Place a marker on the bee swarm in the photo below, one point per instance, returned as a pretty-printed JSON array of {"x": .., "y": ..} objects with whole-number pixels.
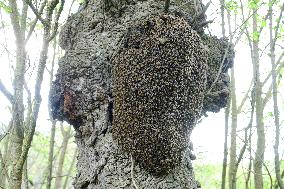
[{"x": 159, "y": 84}]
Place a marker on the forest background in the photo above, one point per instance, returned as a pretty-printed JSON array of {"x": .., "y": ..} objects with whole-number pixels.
[{"x": 232, "y": 146}]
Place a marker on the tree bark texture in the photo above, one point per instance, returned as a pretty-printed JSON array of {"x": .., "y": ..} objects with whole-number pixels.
[
  {"x": 17, "y": 106},
  {"x": 82, "y": 93}
]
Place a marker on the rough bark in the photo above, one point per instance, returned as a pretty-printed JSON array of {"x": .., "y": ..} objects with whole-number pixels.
[
  {"x": 17, "y": 105},
  {"x": 25, "y": 176},
  {"x": 82, "y": 93}
]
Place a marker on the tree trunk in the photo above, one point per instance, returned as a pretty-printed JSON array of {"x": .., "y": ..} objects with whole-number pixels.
[
  {"x": 66, "y": 137},
  {"x": 227, "y": 110},
  {"x": 50, "y": 155},
  {"x": 53, "y": 123},
  {"x": 70, "y": 170},
  {"x": 82, "y": 93},
  {"x": 20, "y": 141},
  {"x": 17, "y": 106},
  {"x": 234, "y": 123},
  {"x": 259, "y": 154},
  {"x": 273, "y": 40},
  {"x": 233, "y": 147}
]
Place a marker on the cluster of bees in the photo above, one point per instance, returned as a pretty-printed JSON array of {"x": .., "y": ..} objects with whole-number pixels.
[
  {"x": 159, "y": 84},
  {"x": 220, "y": 59}
]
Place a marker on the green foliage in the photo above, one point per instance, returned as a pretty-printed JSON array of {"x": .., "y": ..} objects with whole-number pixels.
[
  {"x": 5, "y": 7},
  {"x": 39, "y": 152},
  {"x": 253, "y": 4},
  {"x": 41, "y": 145},
  {"x": 270, "y": 114},
  {"x": 231, "y": 5},
  {"x": 263, "y": 23},
  {"x": 209, "y": 176},
  {"x": 255, "y": 36},
  {"x": 281, "y": 32}
]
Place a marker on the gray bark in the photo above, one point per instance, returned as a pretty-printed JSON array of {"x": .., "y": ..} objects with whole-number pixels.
[
  {"x": 273, "y": 40},
  {"x": 259, "y": 154},
  {"x": 50, "y": 155},
  {"x": 82, "y": 92},
  {"x": 53, "y": 123},
  {"x": 17, "y": 105},
  {"x": 234, "y": 123}
]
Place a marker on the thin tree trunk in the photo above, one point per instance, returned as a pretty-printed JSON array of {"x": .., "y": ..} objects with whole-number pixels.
[
  {"x": 275, "y": 93},
  {"x": 70, "y": 170},
  {"x": 227, "y": 110},
  {"x": 66, "y": 137},
  {"x": 20, "y": 144},
  {"x": 259, "y": 154},
  {"x": 247, "y": 181},
  {"x": 53, "y": 123},
  {"x": 17, "y": 106},
  {"x": 234, "y": 114},
  {"x": 48, "y": 35},
  {"x": 233, "y": 148},
  {"x": 50, "y": 155},
  {"x": 225, "y": 158}
]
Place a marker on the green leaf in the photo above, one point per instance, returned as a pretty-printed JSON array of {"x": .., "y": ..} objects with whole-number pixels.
[
  {"x": 263, "y": 23},
  {"x": 231, "y": 5},
  {"x": 253, "y": 4},
  {"x": 5, "y": 7},
  {"x": 255, "y": 36}
]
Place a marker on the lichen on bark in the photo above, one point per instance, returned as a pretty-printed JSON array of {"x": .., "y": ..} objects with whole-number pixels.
[{"x": 83, "y": 95}]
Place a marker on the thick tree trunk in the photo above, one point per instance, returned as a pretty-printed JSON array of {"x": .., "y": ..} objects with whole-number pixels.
[{"x": 82, "y": 92}]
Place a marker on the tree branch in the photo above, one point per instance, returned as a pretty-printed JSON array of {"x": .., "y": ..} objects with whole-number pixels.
[
  {"x": 6, "y": 93},
  {"x": 14, "y": 15},
  {"x": 35, "y": 11},
  {"x": 279, "y": 64},
  {"x": 32, "y": 27},
  {"x": 244, "y": 98},
  {"x": 23, "y": 20},
  {"x": 57, "y": 16}
]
